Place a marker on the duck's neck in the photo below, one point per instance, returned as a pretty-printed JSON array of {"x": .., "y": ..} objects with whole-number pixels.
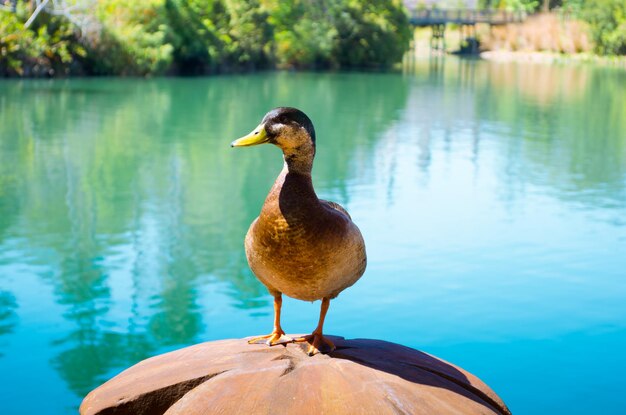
[
  {"x": 299, "y": 160},
  {"x": 294, "y": 196},
  {"x": 293, "y": 189}
]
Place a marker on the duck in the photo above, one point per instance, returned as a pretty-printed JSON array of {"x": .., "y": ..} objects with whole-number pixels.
[{"x": 300, "y": 245}]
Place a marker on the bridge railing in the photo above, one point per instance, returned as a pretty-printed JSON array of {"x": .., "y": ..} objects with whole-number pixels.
[{"x": 427, "y": 17}]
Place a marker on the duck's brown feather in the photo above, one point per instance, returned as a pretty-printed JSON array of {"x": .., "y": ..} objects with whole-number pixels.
[{"x": 302, "y": 246}]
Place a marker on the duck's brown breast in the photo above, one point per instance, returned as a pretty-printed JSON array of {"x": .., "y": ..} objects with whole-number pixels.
[{"x": 302, "y": 247}]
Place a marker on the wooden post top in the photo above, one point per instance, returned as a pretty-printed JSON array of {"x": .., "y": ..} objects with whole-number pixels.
[{"x": 231, "y": 376}]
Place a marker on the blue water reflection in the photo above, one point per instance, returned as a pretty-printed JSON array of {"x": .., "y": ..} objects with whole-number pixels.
[{"x": 492, "y": 198}]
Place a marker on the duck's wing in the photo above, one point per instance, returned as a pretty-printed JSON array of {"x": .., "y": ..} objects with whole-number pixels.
[{"x": 337, "y": 207}]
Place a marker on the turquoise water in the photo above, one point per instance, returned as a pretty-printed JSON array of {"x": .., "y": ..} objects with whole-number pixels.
[{"x": 492, "y": 198}]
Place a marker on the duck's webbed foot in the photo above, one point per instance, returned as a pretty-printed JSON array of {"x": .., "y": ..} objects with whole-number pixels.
[
  {"x": 317, "y": 343},
  {"x": 274, "y": 338},
  {"x": 277, "y": 336}
]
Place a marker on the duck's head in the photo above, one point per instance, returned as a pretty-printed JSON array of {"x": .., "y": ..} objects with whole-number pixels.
[{"x": 286, "y": 127}]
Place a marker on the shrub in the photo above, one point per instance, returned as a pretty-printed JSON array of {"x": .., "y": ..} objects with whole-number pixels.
[
  {"x": 48, "y": 47},
  {"x": 304, "y": 33},
  {"x": 340, "y": 33},
  {"x": 370, "y": 34},
  {"x": 132, "y": 39},
  {"x": 15, "y": 45},
  {"x": 145, "y": 37},
  {"x": 607, "y": 19}
]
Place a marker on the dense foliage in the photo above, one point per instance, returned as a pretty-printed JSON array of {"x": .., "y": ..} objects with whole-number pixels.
[
  {"x": 145, "y": 37},
  {"x": 154, "y": 37},
  {"x": 49, "y": 47},
  {"x": 607, "y": 20}
]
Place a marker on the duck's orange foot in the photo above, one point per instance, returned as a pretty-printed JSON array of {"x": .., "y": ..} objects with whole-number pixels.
[
  {"x": 317, "y": 343},
  {"x": 272, "y": 339}
]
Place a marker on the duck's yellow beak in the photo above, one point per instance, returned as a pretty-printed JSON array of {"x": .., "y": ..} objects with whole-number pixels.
[{"x": 257, "y": 136}]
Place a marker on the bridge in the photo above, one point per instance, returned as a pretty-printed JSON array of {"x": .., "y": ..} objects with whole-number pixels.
[
  {"x": 468, "y": 17},
  {"x": 465, "y": 19}
]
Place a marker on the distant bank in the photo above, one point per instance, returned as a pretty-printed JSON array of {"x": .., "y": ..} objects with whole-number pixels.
[
  {"x": 542, "y": 38},
  {"x": 199, "y": 37},
  {"x": 196, "y": 37}
]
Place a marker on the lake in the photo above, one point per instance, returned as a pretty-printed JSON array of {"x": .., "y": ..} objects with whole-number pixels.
[{"x": 492, "y": 199}]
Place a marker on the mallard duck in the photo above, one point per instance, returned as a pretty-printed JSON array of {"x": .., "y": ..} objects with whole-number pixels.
[{"x": 300, "y": 245}]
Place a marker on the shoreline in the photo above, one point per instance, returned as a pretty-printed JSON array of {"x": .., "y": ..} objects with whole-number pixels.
[
  {"x": 496, "y": 56},
  {"x": 553, "y": 58}
]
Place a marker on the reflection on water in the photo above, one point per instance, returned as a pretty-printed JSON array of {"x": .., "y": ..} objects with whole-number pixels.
[
  {"x": 7, "y": 315},
  {"x": 492, "y": 199}
]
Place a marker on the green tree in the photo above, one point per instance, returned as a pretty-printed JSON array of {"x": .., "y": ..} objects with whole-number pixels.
[
  {"x": 154, "y": 37},
  {"x": 49, "y": 47},
  {"x": 607, "y": 19},
  {"x": 133, "y": 39},
  {"x": 303, "y": 33},
  {"x": 340, "y": 33},
  {"x": 370, "y": 34},
  {"x": 250, "y": 35},
  {"x": 15, "y": 45}
]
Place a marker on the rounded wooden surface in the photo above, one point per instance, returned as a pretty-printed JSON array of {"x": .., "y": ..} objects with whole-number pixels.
[{"x": 231, "y": 377}]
